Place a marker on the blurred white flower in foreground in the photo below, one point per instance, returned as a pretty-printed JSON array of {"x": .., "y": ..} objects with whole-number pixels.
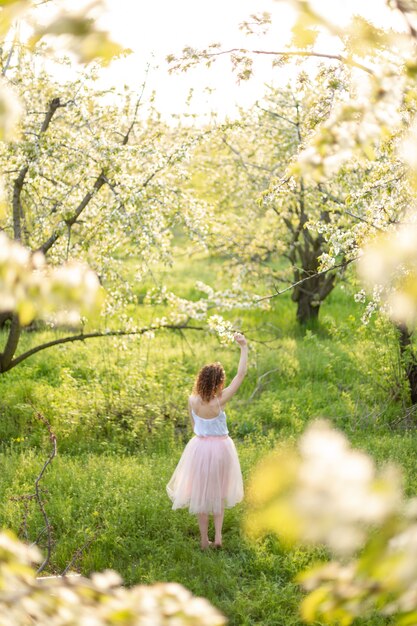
[
  {"x": 339, "y": 493},
  {"x": 390, "y": 263},
  {"x": 31, "y": 288},
  {"x": 99, "y": 601},
  {"x": 328, "y": 494},
  {"x": 10, "y": 111},
  {"x": 323, "y": 493}
]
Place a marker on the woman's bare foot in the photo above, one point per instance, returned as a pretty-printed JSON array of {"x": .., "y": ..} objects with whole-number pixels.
[{"x": 205, "y": 544}]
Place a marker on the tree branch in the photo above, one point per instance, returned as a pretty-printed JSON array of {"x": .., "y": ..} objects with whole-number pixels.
[
  {"x": 327, "y": 286},
  {"x": 54, "y": 104},
  {"x": 132, "y": 125},
  {"x": 403, "y": 9},
  {"x": 362, "y": 219},
  {"x": 12, "y": 48},
  {"x": 340, "y": 202},
  {"x": 79, "y": 552},
  {"x": 30, "y": 497},
  {"x": 23, "y": 528},
  {"x": 274, "y": 114},
  {"x": 303, "y": 280},
  {"x": 17, "y": 202},
  {"x": 260, "y": 384},
  {"x": 82, "y": 337},
  {"x": 52, "y": 455},
  {"x": 299, "y": 53},
  {"x": 239, "y": 156},
  {"x": 99, "y": 182}
]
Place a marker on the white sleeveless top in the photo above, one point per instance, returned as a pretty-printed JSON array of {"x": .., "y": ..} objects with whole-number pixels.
[{"x": 209, "y": 427}]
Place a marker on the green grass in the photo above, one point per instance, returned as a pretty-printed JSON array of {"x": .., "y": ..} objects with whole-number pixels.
[
  {"x": 118, "y": 409},
  {"x": 130, "y": 394},
  {"x": 122, "y": 502}
]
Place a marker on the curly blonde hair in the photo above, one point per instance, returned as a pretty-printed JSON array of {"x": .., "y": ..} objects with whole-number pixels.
[{"x": 210, "y": 380}]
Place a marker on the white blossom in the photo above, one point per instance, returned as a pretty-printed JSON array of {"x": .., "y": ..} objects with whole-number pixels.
[
  {"x": 98, "y": 601},
  {"x": 339, "y": 493}
]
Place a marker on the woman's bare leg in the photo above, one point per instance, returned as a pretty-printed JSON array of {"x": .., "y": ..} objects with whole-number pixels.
[
  {"x": 218, "y": 524},
  {"x": 203, "y": 520}
]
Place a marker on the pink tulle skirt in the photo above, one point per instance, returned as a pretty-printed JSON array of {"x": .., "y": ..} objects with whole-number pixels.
[{"x": 207, "y": 477}]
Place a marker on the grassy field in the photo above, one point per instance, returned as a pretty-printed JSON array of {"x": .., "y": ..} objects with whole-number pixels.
[
  {"x": 118, "y": 409},
  {"x": 121, "y": 502}
]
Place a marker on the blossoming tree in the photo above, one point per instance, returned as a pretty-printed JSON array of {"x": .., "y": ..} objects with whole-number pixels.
[
  {"x": 92, "y": 181},
  {"x": 266, "y": 210},
  {"x": 370, "y": 130}
]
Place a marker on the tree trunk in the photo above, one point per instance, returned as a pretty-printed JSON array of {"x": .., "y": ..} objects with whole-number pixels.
[
  {"x": 310, "y": 295},
  {"x": 7, "y": 355},
  {"x": 315, "y": 285},
  {"x": 307, "y": 308},
  {"x": 409, "y": 359},
  {"x": 4, "y": 317}
]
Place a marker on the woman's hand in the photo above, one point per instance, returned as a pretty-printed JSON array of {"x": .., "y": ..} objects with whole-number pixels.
[{"x": 240, "y": 339}]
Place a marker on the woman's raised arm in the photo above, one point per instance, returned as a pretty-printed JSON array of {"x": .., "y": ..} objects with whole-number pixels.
[{"x": 231, "y": 389}]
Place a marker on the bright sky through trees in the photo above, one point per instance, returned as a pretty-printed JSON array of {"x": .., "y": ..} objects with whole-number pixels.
[{"x": 154, "y": 29}]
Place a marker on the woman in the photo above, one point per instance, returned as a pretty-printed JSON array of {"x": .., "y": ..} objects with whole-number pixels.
[{"x": 208, "y": 477}]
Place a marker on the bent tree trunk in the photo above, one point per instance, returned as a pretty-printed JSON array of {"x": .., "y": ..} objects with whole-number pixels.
[
  {"x": 12, "y": 341},
  {"x": 4, "y": 318},
  {"x": 409, "y": 359}
]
